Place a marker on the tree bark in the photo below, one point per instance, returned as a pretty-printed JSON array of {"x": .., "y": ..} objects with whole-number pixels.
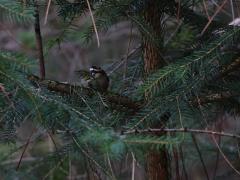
[
  {"x": 153, "y": 15},
  {"x": 157, "y": 161},
  {"x": 157, "y": 165}
]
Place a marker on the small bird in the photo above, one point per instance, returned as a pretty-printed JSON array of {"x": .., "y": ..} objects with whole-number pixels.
[{"x": 96, "y": 79}]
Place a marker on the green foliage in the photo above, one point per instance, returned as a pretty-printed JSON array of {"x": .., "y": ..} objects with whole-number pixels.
[
  {"x": 85, "y": 128},
  {"x": 183, "y": 38},
  {"x": 194, "y": 66},
  {"x": 27, "y": 38},
  {"x": 15, "y": 11},
  {"x": 16, "y": 61}
]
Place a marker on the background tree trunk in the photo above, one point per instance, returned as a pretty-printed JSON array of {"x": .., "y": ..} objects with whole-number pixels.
[
  {"x": 157, "y": 161},
  {"x": 157, "y": 165}
]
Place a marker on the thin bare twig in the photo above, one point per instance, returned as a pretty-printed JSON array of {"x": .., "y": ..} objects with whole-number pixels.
[
  {"x": 88, "y": 156},
  {"x": 181, "y": 130},
  {"x": 178, "y": 10},
  {"x": 238, "y": 9},
  {"x": 123, "y": 59},
  {"x": 110, "y": 166},
  {"x": 52, "y": 139},
  {"x": 232, "y": 9},
  {"x": 224, "y": 11},
  {"x": 25, "y": 148},
  {"x": 213, "y": 16},
  {"x": 224, "y": 156},
  {"x": 217, "y": 160},
  {"x": 47, "y": 11},
  {"x": 133, "y": 166},
  {"x": 49, "y": 173},
  {"x": 171, "y": 36},
  {"x": 206, "y": 9},
  {"x": 94, "y": 24}
]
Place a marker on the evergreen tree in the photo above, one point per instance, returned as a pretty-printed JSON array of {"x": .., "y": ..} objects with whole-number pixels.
[{"x": 189, "y": 74}]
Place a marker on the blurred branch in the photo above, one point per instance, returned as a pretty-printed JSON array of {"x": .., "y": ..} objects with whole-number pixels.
[
  {"x": 206, "y": 9},
  {"x": 39, "y": 41},
  {"x": 217, "y": 159},
  {"x": 128, "y": 48},
  {"x": 47, "y": 11},
  {"x": 24, "y": 150},
  {"x": 224, "y": 157},
  {"x": 213, "y": 16},
  {"x": 230, "y": 68},
  {"x": 190, "y": 16},
  {"x": 93, "y": 22},
  {"x": 216, "y": 97}
]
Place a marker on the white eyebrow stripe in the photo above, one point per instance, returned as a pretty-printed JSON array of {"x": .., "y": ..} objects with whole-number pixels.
[{"x": 96, "y": 70}]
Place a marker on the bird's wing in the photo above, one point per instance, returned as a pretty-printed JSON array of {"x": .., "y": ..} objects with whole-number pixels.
[{"x": 83, "y": 74}]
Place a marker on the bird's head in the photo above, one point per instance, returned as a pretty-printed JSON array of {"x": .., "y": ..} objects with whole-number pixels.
[{"x": 94, "y": 70}]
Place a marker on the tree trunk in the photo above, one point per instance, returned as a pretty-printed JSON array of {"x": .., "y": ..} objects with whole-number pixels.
[
  {"x": 157, "y": 165},
  {"x": 157, "y": 161},
  {"x": 39, "y": 44},
  {"x": 153, "y": 59}
]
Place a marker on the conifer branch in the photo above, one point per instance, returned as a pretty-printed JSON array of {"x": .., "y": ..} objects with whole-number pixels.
[
  {"x": 118, "y": 99},
  {"x": 64, "y": 88}
]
